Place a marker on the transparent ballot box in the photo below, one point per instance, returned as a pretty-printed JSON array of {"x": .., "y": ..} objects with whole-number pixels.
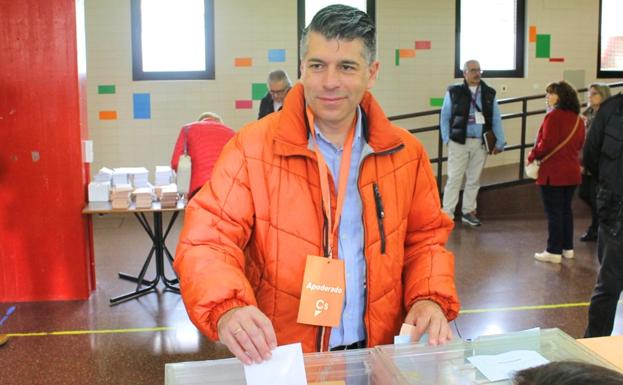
[
  {"x": 448, "y": 364},
  {"x": 353, "y": 367}
]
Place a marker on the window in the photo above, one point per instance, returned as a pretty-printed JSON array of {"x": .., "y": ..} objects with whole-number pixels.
[
  {"x": 610, "y": 56},
  {"x": 308, "y": 8},
  {"x": 172, "y": 39},
  {"x": 492, "y": 32}
]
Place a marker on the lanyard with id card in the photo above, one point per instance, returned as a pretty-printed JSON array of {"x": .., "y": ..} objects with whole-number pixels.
[
  {"x": 324, "y": 283},
  {"x": 479, "y": 118}
]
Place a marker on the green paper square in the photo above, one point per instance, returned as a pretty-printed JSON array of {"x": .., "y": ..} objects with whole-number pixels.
[
  {"x": 436, "y": 102},
  {"x": 258, "y": 91},
  {"x": 397, "y": 57},
  {"x": 543, "y": 46},
  {"x": 106, "y": 89}
]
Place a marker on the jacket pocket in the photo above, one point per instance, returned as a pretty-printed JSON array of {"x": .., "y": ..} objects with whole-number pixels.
[
  {"x": 613, "y": 140},
  {"x": 380, "y": 215},
  {"x": 611, "y": 148}
]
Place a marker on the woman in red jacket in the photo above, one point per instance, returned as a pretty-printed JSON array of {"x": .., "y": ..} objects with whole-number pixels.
[{"x": 560, "y": 174}]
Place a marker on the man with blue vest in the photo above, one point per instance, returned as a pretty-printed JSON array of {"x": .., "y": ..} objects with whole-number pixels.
[{"x": 469, "y": 112}]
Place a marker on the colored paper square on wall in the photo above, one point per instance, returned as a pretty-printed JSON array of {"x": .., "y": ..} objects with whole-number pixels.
[
  {"x": 142, "y": 106},
  {"x": 557, "y": 59},
  {"x": 422, "y": 44},
  {"x": 407, "y": 52},
  {"x": 243, "y": 62},
  {"x": 532, "y": 35},
  {"x": 244, "y": 104},
  {"x": 108, "y": 115},
  {"x": 106, "y": 89},
  {"x": 436, "y": 102},
  {"x": 258, "y": 91},
  {"x": 542, "y": 46},
  {"x": 276, "y": 55},
  {"x": 397, "y": 57}
]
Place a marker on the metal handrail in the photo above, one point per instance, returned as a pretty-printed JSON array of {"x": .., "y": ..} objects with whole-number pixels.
[{"x": 523, "y": 115}]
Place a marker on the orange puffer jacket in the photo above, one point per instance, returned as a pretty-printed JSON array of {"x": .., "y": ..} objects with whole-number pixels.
[{"x": 247, "y": 232}]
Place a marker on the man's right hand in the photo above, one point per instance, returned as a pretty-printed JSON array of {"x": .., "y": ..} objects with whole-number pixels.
[{"x": 248, "y": 334}]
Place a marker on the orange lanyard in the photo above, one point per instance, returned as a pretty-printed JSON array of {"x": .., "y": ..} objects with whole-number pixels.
[{"x": 324, "y": 178}]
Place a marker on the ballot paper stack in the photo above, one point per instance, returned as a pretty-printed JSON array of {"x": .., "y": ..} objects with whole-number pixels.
[
  {"x": 168, "y": 195},
  {"x": 103, "y": 175},
  {"x": 121, "y": 196},
  {"x": 164, "y": 175},
  {"x": 99, "y": 191},
  {"x": 139, "y": 177},
  {"x": 120, "y": 176},
  {"x": 143, "y": 197},
  {"x": 99, "y": 188}
]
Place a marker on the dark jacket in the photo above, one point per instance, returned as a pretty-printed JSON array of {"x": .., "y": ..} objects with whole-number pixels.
[
  {"x": 461, "y": 97},
  {"x": 266, "y": 106},
  {"x": 603, "y": 151}
]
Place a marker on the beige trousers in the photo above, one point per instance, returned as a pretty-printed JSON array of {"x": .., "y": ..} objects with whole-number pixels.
[{"x": 464, "y": 160}]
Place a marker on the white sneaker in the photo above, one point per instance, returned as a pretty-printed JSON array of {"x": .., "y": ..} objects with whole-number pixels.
[
  {"x": 568, "y": 254},
  {"x": 548, "y": 257}
]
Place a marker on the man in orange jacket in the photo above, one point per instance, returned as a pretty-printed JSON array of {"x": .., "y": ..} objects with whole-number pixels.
[{"x": 321, "y": 223}]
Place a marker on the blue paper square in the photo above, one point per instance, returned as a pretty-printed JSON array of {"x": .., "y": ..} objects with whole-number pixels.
[
  {"x": 142, "y": 106},
  {"x": 276, "y": 55}
]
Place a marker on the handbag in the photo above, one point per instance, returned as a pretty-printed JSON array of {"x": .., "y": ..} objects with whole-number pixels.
[
  {"x": 184, "y": 167},
  {"x": 532, "y": 169}
]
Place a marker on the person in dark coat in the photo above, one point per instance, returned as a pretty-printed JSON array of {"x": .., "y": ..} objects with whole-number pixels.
[
  {"x": 603, "y": 158},
  {"x": 278, "y": 86}
]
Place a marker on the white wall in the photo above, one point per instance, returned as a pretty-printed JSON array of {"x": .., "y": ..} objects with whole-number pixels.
[{"x": 250, "y": 28}]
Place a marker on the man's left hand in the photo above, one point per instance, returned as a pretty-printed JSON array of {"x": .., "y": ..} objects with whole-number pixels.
[{"x": 427, "y": 316}]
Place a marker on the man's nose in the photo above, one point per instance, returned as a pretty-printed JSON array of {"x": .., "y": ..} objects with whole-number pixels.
[{"x": 332, "y": 78}]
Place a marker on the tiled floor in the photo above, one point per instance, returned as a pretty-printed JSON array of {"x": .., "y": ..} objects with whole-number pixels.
[{"x": 130, "y": 343}]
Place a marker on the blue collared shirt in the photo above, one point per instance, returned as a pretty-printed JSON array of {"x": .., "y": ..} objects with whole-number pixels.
[
  {"x": 473, "y": 130},
  {"x": 350, "y": 235}
]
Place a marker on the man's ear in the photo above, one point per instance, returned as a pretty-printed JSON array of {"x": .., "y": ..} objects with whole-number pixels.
[{"x": 373, "y": 71}]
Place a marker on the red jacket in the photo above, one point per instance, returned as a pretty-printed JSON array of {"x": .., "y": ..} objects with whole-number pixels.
[
  {"x": 562, "y": 168},
  {"x": 204, "y": 139},
  {"x": 247, "y": 234}
]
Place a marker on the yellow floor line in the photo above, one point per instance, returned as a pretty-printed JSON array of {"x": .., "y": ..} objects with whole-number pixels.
[
  {"x": 79, "y": 332},
  {"x": 534, "y": 307},
  {"x": 167, "y": 328}
]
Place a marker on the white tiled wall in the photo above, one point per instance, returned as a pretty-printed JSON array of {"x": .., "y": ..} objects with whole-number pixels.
[{"x": 245, "y": 28}]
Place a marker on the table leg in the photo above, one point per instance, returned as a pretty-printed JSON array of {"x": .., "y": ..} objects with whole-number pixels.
[{"x": 159, "y": 249}]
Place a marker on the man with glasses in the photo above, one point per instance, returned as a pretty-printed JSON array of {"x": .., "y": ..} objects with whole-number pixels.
[
  {"x": 470, "y": 111},
  {"x": 278, "y": 86}
]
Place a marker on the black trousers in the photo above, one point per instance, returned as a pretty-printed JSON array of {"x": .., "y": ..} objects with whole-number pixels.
[
  {"x": 607, "y": 291},
  {"x": 557, "y": 203},
  {"x": 588, "y": 193}
]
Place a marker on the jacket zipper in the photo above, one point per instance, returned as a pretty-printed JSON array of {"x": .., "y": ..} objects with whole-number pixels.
[
  {"x": 325, "y": 253},
  {"x": 380, "y": 214},
  {"x": 365, "y": 283}
]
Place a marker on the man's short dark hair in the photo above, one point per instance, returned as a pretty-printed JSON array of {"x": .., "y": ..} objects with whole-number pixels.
[
  {"x": 567, "y": 373},
  {"x": 343, "y": 22}
]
